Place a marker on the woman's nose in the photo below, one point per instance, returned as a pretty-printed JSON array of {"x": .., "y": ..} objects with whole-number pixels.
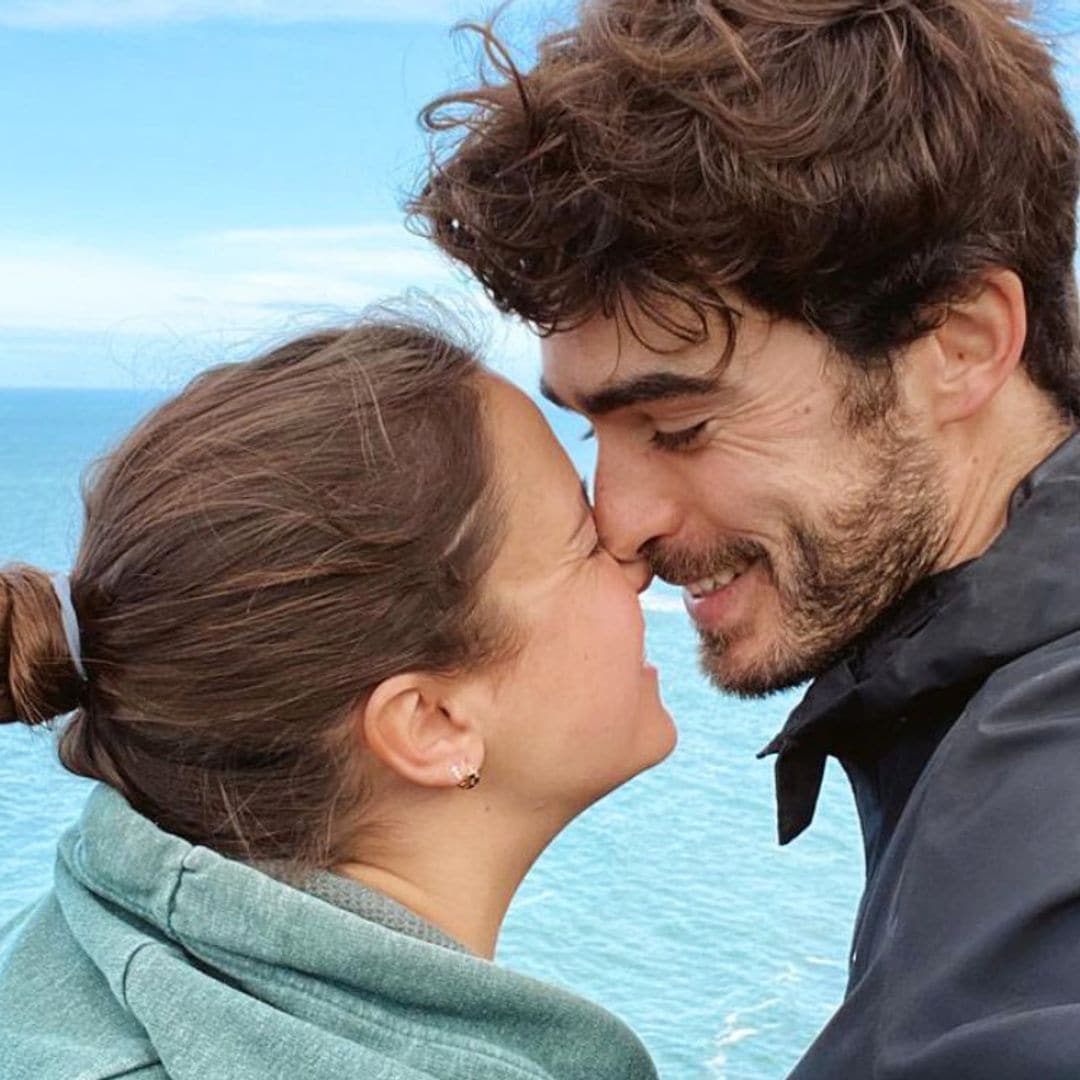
[{"x": 637, "y": 573}]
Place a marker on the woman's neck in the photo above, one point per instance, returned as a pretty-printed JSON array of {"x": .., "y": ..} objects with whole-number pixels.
[{"x": 460, "y": 874}]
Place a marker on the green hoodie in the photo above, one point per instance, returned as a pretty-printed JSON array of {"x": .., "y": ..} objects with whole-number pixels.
[{"x": 154, "y": 958}]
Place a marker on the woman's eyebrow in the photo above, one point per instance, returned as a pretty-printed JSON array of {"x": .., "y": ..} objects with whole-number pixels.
[{"x": 656, "y": 386}]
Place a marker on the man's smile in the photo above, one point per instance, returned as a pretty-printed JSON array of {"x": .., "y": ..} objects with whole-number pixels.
[{"x": 721, "y": 579}]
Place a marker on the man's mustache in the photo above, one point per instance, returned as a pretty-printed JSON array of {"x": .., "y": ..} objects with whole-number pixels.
[{"x": 682, "y": 566}]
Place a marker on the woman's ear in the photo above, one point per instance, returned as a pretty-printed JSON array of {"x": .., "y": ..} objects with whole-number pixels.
[
  {"x": 979, "y": 346},
  {"x": 422, "y": 731}
]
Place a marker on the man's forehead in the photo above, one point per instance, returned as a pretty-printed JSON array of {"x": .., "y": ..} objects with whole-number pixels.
[{"x": 586, "y": 365}]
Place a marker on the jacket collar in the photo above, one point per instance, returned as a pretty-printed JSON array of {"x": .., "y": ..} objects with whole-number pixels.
[{"x": 951, "y": 630}]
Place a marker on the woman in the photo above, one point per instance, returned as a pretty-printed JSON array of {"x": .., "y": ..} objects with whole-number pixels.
[{"x": 346, "y": 655}]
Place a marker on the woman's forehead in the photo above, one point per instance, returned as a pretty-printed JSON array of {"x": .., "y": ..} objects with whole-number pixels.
[{"x": 541, "y": 489}]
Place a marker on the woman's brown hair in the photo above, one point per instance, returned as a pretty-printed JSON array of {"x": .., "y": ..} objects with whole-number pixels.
[
  {"x": 257, "y": 555},
  {"x": 850, "y": 164}
]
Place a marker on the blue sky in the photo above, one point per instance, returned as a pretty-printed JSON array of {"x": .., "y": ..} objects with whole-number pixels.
[{"x": 185, "y": 180}]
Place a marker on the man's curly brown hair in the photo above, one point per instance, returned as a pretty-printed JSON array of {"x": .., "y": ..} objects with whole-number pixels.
[{"x": 852, "y": 164}]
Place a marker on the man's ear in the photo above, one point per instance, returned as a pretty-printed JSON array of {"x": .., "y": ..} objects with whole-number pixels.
[
  {"x": 422, "y": 731},
  {"x": 978, "y": 347}
]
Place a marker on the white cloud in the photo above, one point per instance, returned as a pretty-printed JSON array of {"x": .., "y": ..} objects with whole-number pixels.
[
  {"x": 63, "y": 14},
  {"x": 239, "y": 278},
  {"x": 220, "y": 295}
]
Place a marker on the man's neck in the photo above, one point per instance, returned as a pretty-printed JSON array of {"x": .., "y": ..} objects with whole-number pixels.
[{"x": 986, "y": 463}]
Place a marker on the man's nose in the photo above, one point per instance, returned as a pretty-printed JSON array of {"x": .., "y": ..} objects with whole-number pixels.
[{"x": 631, "y": 506}]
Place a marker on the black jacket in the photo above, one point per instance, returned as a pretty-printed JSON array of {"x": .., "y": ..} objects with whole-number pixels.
[{"x": 957, "y": 721}]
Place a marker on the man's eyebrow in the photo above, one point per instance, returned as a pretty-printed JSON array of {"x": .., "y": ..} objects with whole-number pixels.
[{"x": 656, "y": 386}]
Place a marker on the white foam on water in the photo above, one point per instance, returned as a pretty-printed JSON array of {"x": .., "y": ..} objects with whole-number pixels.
[
  {"x": 735, "y": 1030},
  {"x": 823, "y": 961},
  {"x": 657, "y": 601}
]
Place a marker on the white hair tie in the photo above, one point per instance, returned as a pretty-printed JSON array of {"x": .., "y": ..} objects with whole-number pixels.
[{"x": 61, "y": 584}]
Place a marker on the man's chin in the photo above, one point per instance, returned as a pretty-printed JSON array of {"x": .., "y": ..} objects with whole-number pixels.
[{"x": 736, "y": 670}]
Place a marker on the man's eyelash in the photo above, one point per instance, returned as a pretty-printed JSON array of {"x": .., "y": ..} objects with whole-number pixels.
[
  {"x": 665, "y": 440},
  {"x": 678, "y": 440}
]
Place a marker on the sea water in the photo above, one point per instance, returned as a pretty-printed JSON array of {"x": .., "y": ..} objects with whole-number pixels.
[{"x": 669, "y": 902}]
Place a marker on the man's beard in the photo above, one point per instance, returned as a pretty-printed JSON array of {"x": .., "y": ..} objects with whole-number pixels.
[{"x": 837, "y": 574}]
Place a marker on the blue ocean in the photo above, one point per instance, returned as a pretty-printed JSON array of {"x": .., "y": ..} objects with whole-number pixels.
[{"x": 670, "y": 902}]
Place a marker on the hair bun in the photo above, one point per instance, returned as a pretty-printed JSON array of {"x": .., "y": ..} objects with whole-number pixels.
[{"x": 38, "y": 678}]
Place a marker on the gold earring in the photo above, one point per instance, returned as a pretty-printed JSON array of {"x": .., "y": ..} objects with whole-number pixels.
[{"x": 466, "y": 780}]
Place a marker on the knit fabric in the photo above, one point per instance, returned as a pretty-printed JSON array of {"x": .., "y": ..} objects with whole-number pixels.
[{"x": 350, "y": 895}]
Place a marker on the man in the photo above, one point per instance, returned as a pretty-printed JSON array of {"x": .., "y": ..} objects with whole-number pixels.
[{"x": 808, "y": 269}]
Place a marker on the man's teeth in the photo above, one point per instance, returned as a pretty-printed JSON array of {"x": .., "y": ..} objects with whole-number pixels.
[{"x": 713, "y": 584}]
